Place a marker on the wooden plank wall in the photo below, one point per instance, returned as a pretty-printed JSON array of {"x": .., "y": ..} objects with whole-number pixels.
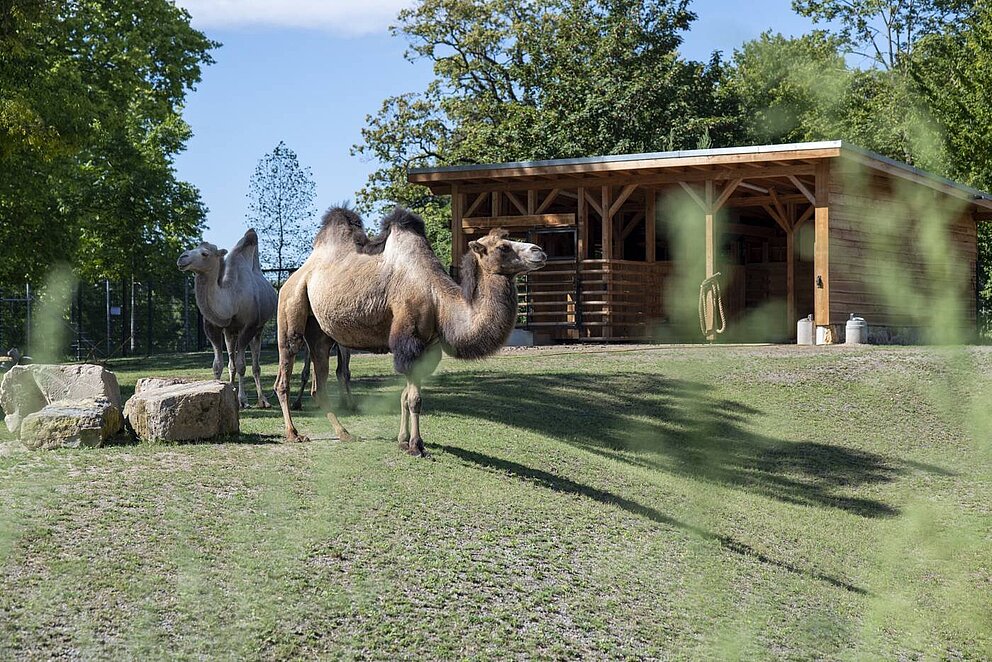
[{"x": 883, "y": 264}]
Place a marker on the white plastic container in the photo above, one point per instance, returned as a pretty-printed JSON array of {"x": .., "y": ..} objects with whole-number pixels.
[
  {"x": 822, "y": 334},
  {"x": 856, "y": 331},
  {"x": 804, "y": 331}
]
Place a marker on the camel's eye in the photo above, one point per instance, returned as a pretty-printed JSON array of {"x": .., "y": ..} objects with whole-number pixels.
[
  {"x": 505, "y": 248},
  {"x": 203, "y": 253}
]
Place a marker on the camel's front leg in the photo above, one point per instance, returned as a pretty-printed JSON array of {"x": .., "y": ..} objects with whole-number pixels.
[
  {"x": 256, "y": 369},
  {"x": 216, "y": 337},
  {"x": 413, "y": 403},
  {"x": 236, "y": 365},
  {"x": 404, "y": 436}
]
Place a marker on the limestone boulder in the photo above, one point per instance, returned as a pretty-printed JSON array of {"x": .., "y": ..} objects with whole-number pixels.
[
  {"x": 184, "y": 412},
  {"x": 71, "y": 424},
  {"x": 27, "y": 389},
  {"x": 146, "y": 383},
  {"x": 19, "y": 396},
  {"x": 77, "y": 382}
]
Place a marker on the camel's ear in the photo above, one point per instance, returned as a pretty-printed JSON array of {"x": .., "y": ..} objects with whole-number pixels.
[
  {"x": 477, "y": 247},
  {"x": 222, "y": 252},
  {"x": 499, "y": 233}
]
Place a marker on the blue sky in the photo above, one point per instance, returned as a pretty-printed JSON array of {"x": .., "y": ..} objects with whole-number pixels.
[{"x": 309, "y": 71}]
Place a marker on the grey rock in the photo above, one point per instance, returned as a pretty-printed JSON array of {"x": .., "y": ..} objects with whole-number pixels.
[
  {"x": 146, "y": 383},
  {"x": 19, "y": 396},
  {"x": 26, "y": 389},
  {"x": 71, "y": 424},
  {"x": 184, "y": 412}
]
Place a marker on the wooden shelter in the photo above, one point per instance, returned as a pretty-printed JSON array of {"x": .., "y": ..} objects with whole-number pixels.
[{"x": 821, "y": 228}]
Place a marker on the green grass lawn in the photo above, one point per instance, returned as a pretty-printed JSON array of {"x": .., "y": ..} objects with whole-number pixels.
[{"x": 673, "y": 502}]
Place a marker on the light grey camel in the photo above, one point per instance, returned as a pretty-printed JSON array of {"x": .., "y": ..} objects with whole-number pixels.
[
  {"x": 393, "y": 295},
  {"x": 236, "y": 301}
]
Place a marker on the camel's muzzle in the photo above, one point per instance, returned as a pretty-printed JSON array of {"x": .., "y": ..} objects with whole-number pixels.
[
  {"x": 182, "y": 262},
  {"x": 535, "y": 258}
]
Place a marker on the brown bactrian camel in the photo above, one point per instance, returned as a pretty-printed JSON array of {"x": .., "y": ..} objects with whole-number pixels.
[
  {"x": 236, "y": 301},
  {"x": 393, "y": 295},
  {"x": 319, "y": 347}
]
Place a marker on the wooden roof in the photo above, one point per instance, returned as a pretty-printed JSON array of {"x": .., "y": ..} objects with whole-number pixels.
[{"x": 753, "y": 162}]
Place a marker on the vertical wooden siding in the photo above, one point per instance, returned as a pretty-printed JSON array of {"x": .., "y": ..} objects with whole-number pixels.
[{"x": 884, "y": 261}]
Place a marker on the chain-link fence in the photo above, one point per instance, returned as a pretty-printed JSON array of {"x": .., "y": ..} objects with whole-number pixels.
[{"x": 109, "y": 319}]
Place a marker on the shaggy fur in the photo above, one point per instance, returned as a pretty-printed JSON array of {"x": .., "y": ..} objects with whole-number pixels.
[
  {"x": 401, "y": 219},
  {"x": 338, "y": 217}
]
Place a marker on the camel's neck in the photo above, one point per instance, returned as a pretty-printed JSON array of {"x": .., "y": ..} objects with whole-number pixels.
[
  {"x": 476, "y": 324},
  {"x": 211, "y": 298}
]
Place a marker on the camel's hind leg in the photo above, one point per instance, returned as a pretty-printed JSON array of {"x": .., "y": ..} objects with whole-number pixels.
[
  {"x": 320, "y": 356},
  {"x": 256, "y": 370},
  {"x": 304, "y": 378},
  {"x": 343, "y": 373},
  {"x": 236, "y": 365}
]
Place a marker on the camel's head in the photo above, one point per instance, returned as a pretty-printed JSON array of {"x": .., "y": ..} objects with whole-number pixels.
[
  {"x": 201, "y": 259},
  {"x": 498, "y": 255}
]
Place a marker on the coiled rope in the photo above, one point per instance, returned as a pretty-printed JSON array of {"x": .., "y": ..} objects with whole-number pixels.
[{"x": 711, "y": 285}]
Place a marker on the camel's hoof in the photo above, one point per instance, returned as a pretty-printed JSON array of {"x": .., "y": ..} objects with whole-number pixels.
[
  {"x": 416, "y": 449},
  {"x": 347, "y": 436},
  {"x": 264, "y": 404},
  {"x": 403, "y": 441},
  {"x": 297, "y": 439}
]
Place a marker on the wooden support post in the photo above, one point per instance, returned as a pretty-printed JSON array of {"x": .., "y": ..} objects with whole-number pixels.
[
  {"x": 790, "y": 279},
  {"x": 607, "y": 225},
  {"x": 457, "y": 236},
  {"x": 497, "y": 206},
  {"x": 531, "y": 201},
  {"x": 582, "y": 220},
  {"x": 650, "y": 224},
  {"x": 608, "y": 255},
  {"x": 710, "y": 258},
  {"x": 821, "y": 247}
]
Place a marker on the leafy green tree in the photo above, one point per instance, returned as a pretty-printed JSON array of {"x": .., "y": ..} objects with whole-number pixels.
[
  {"x": 884, "y": 31},
  {"x": 797, "y": 89},
  {"x": 280, "y": 208},
  {"x": 91, "y": 94},
  {"x": 529, "y": 79}
]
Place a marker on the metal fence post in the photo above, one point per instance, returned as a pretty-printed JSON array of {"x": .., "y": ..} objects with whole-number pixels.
[
  {"x": 27, "y": 317},
  {"x": 148, "y": 292},
  {"x": 106, "y": 282}
]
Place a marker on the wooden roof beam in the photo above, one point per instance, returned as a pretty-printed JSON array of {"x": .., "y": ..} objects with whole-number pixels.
[
  {"x": 659, "y": 179},
  {"x": 727, "y": 192},
  {"x": 802, "y": 189},
  {"x": 780, "y": 208},
  {"x": 592, "y": 202},
  {"x": 476, "y": 204},
  {"x": 622, "y": 198},
  {"x": 548, "y": 200},
  {"x": 516, "y": 202},
  {"x": 775, "y": 217},
  {"x": 695, "y": 196}
]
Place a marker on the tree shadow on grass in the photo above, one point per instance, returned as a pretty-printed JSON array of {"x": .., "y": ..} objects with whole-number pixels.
[
  {"x": 567, "y": 486},
  {"x": 671, "y": 425}
]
